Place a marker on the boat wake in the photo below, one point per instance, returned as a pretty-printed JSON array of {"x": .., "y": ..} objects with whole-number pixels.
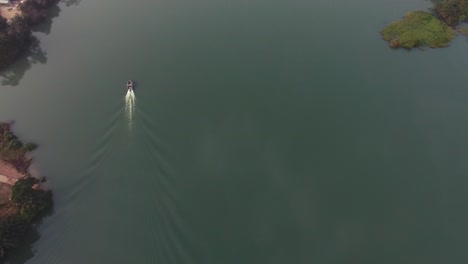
[{"x": 130, "y": 106}]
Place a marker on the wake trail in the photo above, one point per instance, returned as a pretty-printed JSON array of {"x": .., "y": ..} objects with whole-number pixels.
[{"x": 130, "y": 101}]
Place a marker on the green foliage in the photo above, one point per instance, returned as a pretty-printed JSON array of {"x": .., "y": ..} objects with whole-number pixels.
[
  {"x": 30, "y": 147},
  {"x": 21, "y": 191},
  {"x": 12, "y": 142},
  {"x": 4, "y": 128},
  {"x": 12, "y": 150},
  {"x": 14, "y": 39},
  {"x": 30, "y": 201},
  {"x": 417, "y": 29},
  {"x": 452, "y": 11},
  {"x": 11, "y": 231},
  {"x": 10, "y": 137},
  {"x": 16, "y": 36}
]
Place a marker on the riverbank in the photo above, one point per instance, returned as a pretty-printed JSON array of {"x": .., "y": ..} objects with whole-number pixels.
[
  {"x": 22, "y": 199},
  {"x": 9, "y": 12},
  {"x": 13, "y": 152},
  {"x": 8, "y": 173}
]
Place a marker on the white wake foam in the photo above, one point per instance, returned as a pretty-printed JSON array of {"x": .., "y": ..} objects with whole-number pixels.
[{"x": 130, "y": 107}]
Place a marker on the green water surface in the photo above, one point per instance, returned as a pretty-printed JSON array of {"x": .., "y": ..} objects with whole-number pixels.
[{"x": 262, "y": 132}]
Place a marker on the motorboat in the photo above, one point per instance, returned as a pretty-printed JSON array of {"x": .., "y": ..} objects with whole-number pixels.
[{"x": 130, "y": 85}]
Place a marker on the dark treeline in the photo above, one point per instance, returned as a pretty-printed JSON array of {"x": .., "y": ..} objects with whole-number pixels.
[
  {"x": 28, "y": 204},
  {"x": 16, "y": 35},
  {"x": 453, "y": 12}
]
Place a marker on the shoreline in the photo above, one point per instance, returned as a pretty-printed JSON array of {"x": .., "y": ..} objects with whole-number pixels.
[
  {"x": 22, "y": 198},
  {"x": 10, "y": 10},
  {"x": 8, "y": 173},
  {"x": 14, "y": 163}
]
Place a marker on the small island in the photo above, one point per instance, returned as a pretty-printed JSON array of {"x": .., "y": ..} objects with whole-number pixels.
[
  {"x": 434, "y": 29},
  {"x": 22, "y": 198},
  {"x": 16, "y": 27}
]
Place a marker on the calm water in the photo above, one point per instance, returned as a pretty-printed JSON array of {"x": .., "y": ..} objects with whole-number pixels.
[{"x": 262, "y": 132}]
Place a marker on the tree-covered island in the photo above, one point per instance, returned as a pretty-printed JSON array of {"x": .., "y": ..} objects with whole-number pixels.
[
  {"x": 22, "y": 198},
  {"x": 435, "y": 28}
]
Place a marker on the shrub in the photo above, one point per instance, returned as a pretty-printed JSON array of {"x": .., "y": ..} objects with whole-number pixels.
[
  {"x": 30, "y": 201},
  {"x": 9, "y": 137},
  {"x": 11, "y": 231},
  {"x": 30, "y": 147},
  {"x": 35, "y": 10},
  {"x": 417, "y": 29},
  {"x": 452, "y": 11},
  {"x": 14, "y": 144}
]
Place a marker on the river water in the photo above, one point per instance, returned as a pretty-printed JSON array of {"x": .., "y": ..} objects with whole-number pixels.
[{"x": 260, "y": 132}]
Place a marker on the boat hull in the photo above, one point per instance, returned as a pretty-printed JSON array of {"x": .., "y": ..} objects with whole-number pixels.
[{"x": 130, "y": 85}]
